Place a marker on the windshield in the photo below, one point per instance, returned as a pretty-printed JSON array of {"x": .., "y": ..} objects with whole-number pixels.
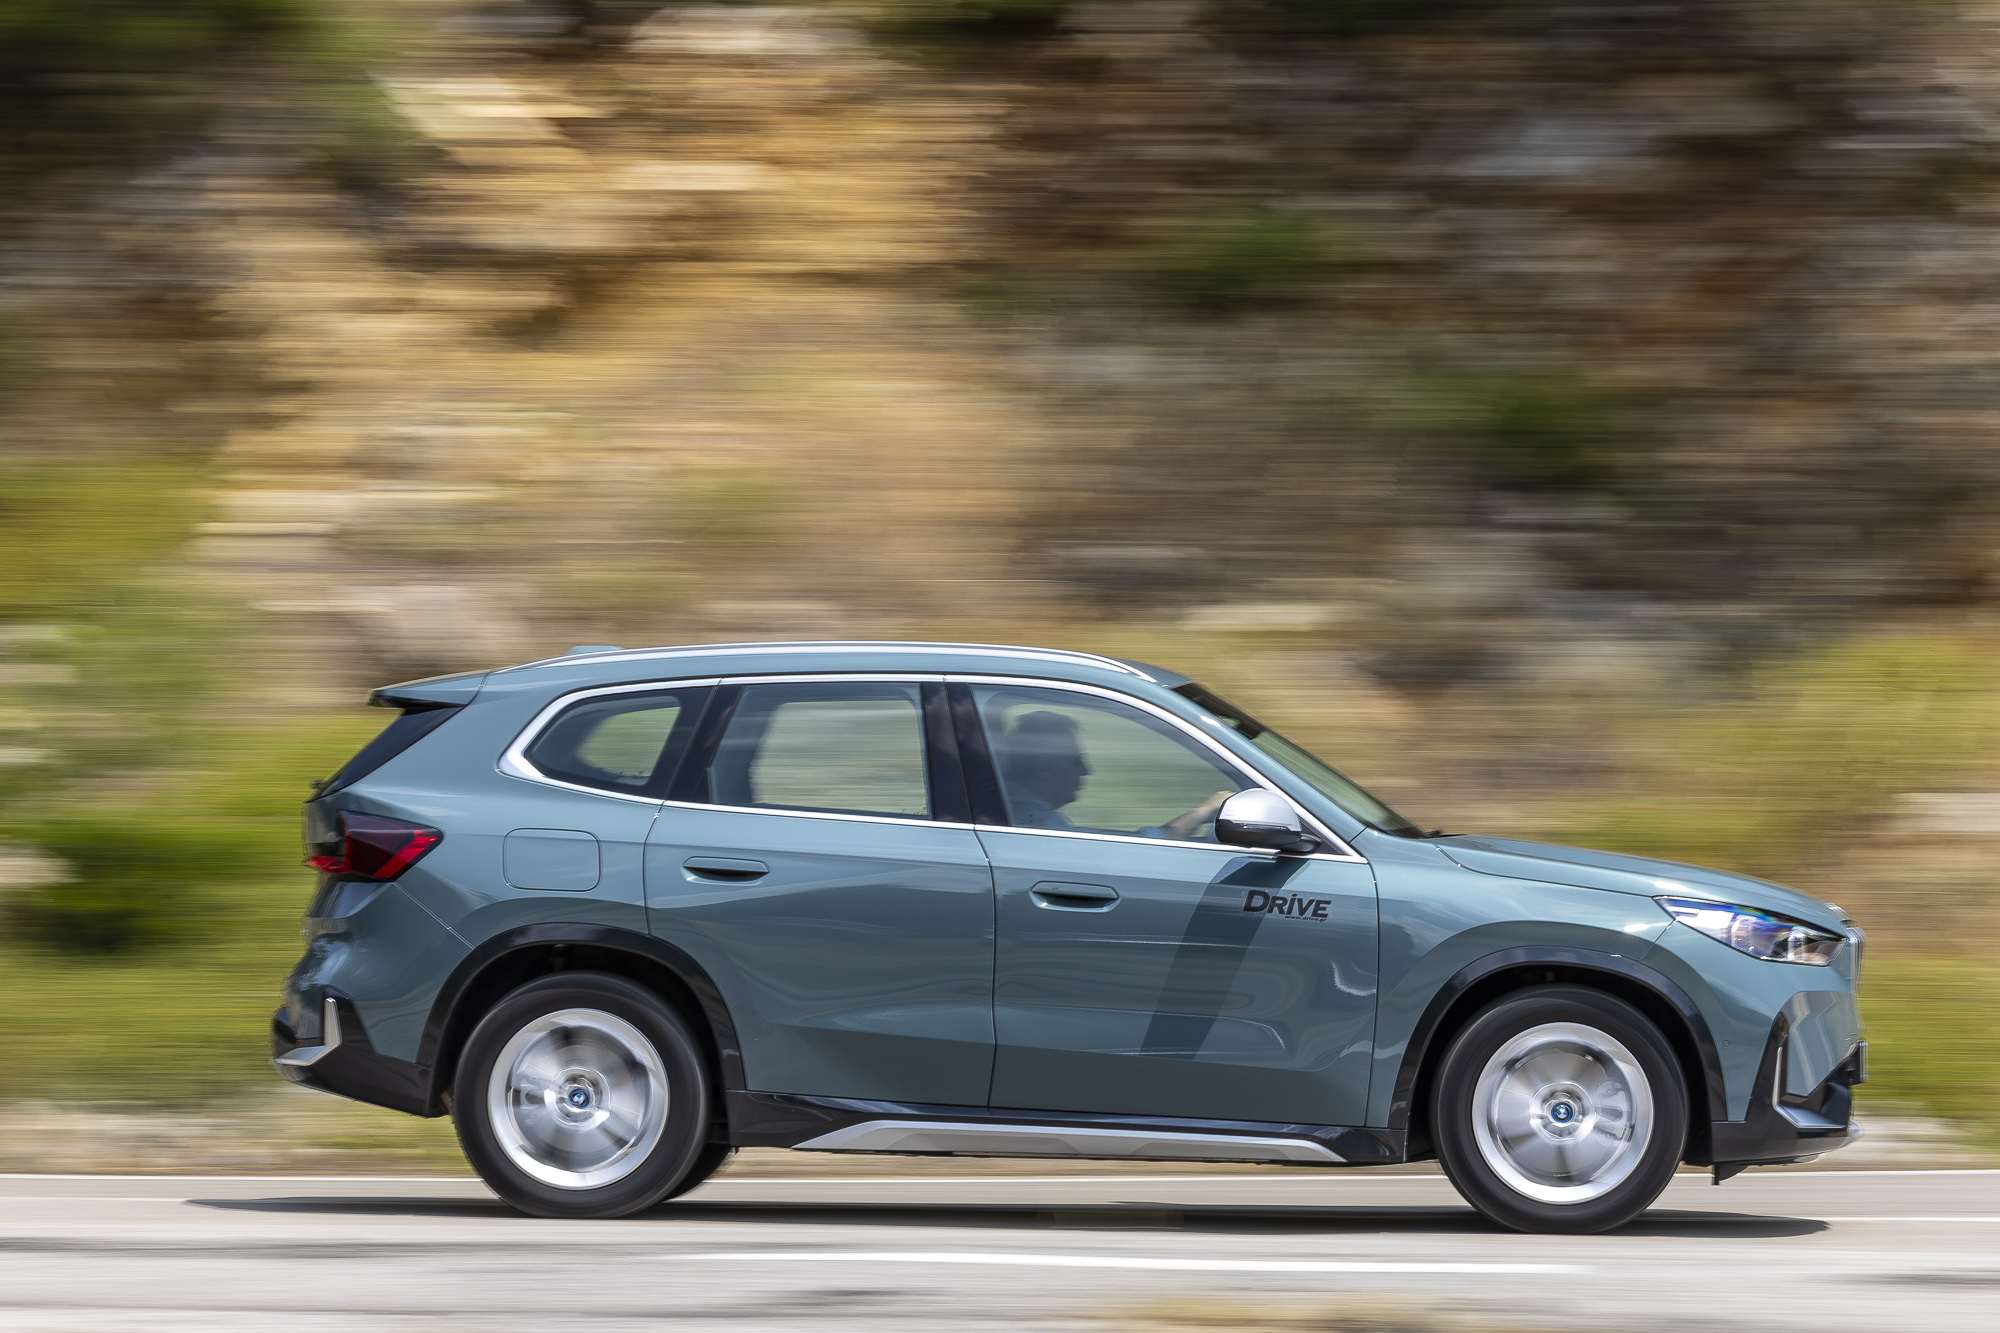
[{"x": 1342, "y": 791}]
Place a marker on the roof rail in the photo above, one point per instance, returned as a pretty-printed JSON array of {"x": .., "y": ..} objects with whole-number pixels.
[{"x": 844, "y": 645}]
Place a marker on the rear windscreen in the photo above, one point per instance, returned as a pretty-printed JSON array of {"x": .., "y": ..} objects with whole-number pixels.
[{"x": 403, "y": 732}]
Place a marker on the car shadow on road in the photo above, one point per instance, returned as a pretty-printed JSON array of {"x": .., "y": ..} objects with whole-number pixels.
[{"x": 1137, "y": 1215}]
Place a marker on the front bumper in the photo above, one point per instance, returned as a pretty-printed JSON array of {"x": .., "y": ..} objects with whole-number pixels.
[
  {"x": 1781, "y": 1126},
  {"x": 343, "y": 1062}
]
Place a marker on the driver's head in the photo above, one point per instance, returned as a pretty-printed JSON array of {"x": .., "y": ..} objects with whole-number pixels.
[{"x": 1044, "y": 757}]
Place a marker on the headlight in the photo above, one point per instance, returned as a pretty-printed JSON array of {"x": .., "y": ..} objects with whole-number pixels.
[{"x": 1775, "y": 939}]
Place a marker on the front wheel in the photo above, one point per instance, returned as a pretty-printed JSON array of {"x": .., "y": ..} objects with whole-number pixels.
[
  {"x": 1560, "y": 1109},
  {"x": 581, "y": 1094}
]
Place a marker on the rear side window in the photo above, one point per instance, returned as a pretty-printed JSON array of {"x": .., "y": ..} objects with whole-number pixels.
[
  {"x": 618, "y": 742},
  {"x": 834, "y": 748},
  {"x": 404, "y": 731}
]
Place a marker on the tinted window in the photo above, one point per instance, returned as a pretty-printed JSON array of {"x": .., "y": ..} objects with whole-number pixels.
[
  {"x": 405, "y": 730},
  {"x": 1337, "y": 787},
  {"x": 620, "y": 742},
  {"x": 1077, "y": 762},
  {"x": 837, "y": 748}
]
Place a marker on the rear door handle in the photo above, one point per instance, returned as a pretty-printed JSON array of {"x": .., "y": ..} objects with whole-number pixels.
[
  {"x": 724, "y": 869},
  {"x": 1060, "y": 897}
]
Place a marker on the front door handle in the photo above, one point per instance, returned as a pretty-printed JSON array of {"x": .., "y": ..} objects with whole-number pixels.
[
  {"x": 1060, "y": 897},
  {"x": 724, "y": 869}
]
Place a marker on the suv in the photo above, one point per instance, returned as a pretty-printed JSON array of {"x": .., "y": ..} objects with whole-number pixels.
[{"x": 622, "y": 912}]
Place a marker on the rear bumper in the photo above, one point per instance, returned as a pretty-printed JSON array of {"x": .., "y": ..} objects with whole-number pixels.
[
  {"x": 344, "y": 1063},
  {"x": 1782, "y": 1127}
]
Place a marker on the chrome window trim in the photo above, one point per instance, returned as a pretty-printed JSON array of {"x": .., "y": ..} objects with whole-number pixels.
[
  {"x": 1266, "y": 853},
  {"x": 848, "y": 646},
  {"x": 514, "y": 759},
  {"x": 1233, "y": 760},
  {"x": 835, "y": 677},
  {"x": 812, "y": 814},
  {"x": 514, "y": 762}
]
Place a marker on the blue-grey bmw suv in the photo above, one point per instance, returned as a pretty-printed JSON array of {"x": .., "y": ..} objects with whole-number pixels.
[{"x": 622, "y": 912}]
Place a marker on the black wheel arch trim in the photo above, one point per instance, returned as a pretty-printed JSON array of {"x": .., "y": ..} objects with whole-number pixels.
[
  {"x": 445, "y": 1014},
  {"x": 1416, "y": 1051}
]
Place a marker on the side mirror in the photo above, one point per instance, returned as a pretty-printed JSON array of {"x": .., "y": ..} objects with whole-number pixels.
[{"x": 1259, "y": 817}]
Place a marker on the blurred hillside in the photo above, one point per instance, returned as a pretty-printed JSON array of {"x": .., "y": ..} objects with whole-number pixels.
[{"x": 1576, "y": 419}]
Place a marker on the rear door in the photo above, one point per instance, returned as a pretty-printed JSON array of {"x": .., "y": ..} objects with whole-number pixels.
[
  {"x": 1143, "y": 968},
  {"x": 816, "y": 857}
]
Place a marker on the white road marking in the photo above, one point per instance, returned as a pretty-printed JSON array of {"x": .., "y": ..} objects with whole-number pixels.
[
  {"x": 1949, "y": 1219},
  {"x": 1096, "y": 1261},
  {"x": 358, "y": 1180},
  {"x": 1317, "y": 1177}
]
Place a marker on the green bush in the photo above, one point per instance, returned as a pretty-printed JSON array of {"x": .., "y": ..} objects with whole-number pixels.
[
  {"x": 91, "y": 80},
  {"x": 1238, "y": 258},
  {"x": 136, "y": 881},
  {"x": 946, "y": 25},
  {"x": 1525, "y": 429},
  {"x": 67, "y": 532}
]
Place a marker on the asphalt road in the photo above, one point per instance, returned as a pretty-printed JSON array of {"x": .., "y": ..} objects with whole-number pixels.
[{"x": 1828, "y": 1249}]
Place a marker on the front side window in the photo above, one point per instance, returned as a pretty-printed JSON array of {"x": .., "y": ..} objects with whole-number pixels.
[
  {"x": 617, "y": 742},
  {"x": 849, "y": 748},
  {"x": 1078, "y": 763}
]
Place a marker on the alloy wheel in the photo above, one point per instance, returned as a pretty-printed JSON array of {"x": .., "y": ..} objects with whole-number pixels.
[
  {"x": 1562, "y": 1113},
  {"x": 578, "y": 1098}
]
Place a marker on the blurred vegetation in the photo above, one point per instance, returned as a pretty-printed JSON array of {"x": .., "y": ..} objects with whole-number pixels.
[
  {"x": 1353, "y": 18},
  {"x": 85, "y": 82},
  {"x": 948, "y": 28},
  {"x": 1241, "y": 257},
  {"x": 172, "y": 1003},
  {"x": 1932, "y": 1043},
  {"x": 72, "y": 536},
  {"x": 1817, "y": 745},
  {"x": 1529, "y": 429}
]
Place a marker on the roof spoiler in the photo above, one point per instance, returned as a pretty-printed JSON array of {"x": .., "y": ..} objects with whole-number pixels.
[{"x": 420, "y": 696}]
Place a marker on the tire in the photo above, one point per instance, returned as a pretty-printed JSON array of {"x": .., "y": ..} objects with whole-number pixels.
[
  {"x": 1560, "y": 1110},
  {"x": 581, "y": 1094},
  {"x": 707, "y": 1164}
]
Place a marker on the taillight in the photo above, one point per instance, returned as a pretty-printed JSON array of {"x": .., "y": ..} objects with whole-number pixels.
[{"x": 376, "y": 848}]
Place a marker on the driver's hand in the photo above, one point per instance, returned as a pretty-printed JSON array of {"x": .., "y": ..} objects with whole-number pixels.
[{"x": 1183, "y": 826}]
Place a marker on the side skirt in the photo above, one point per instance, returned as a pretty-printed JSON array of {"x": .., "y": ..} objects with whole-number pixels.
[{"x": 842, "y": 1124}]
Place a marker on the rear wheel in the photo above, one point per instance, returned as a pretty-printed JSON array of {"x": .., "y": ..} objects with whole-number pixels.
[
  {"x": 1560, "y": 1109},
  {"x": 581, "y": 1094},
  {"x": 711, "y": 1160}
]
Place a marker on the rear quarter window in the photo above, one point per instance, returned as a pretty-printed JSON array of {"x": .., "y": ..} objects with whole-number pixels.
[{"x": 620, "y": 742}]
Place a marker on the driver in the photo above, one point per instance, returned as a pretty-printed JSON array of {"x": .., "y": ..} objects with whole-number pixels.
[{"x": 1045, "y": 768}]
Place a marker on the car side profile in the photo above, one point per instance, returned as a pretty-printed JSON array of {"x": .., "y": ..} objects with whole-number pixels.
[{"x": 621, "y": 912}]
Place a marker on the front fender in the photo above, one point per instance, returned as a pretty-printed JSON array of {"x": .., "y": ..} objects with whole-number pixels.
[
  {"x": 1463, "y": 992},
  {"x": 1440, "y": 923}
]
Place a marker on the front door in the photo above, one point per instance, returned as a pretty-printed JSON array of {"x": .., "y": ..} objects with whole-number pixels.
[
  {"x": 1143, "y": 968},
  {"x": 849, "y": 929}
]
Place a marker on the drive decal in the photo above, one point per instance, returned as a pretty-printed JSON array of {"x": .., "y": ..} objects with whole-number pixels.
[{"x": 1284, "y": 904}]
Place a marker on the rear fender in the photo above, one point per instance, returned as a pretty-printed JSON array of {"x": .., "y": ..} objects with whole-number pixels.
[{"x": 516, "y": 956}]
